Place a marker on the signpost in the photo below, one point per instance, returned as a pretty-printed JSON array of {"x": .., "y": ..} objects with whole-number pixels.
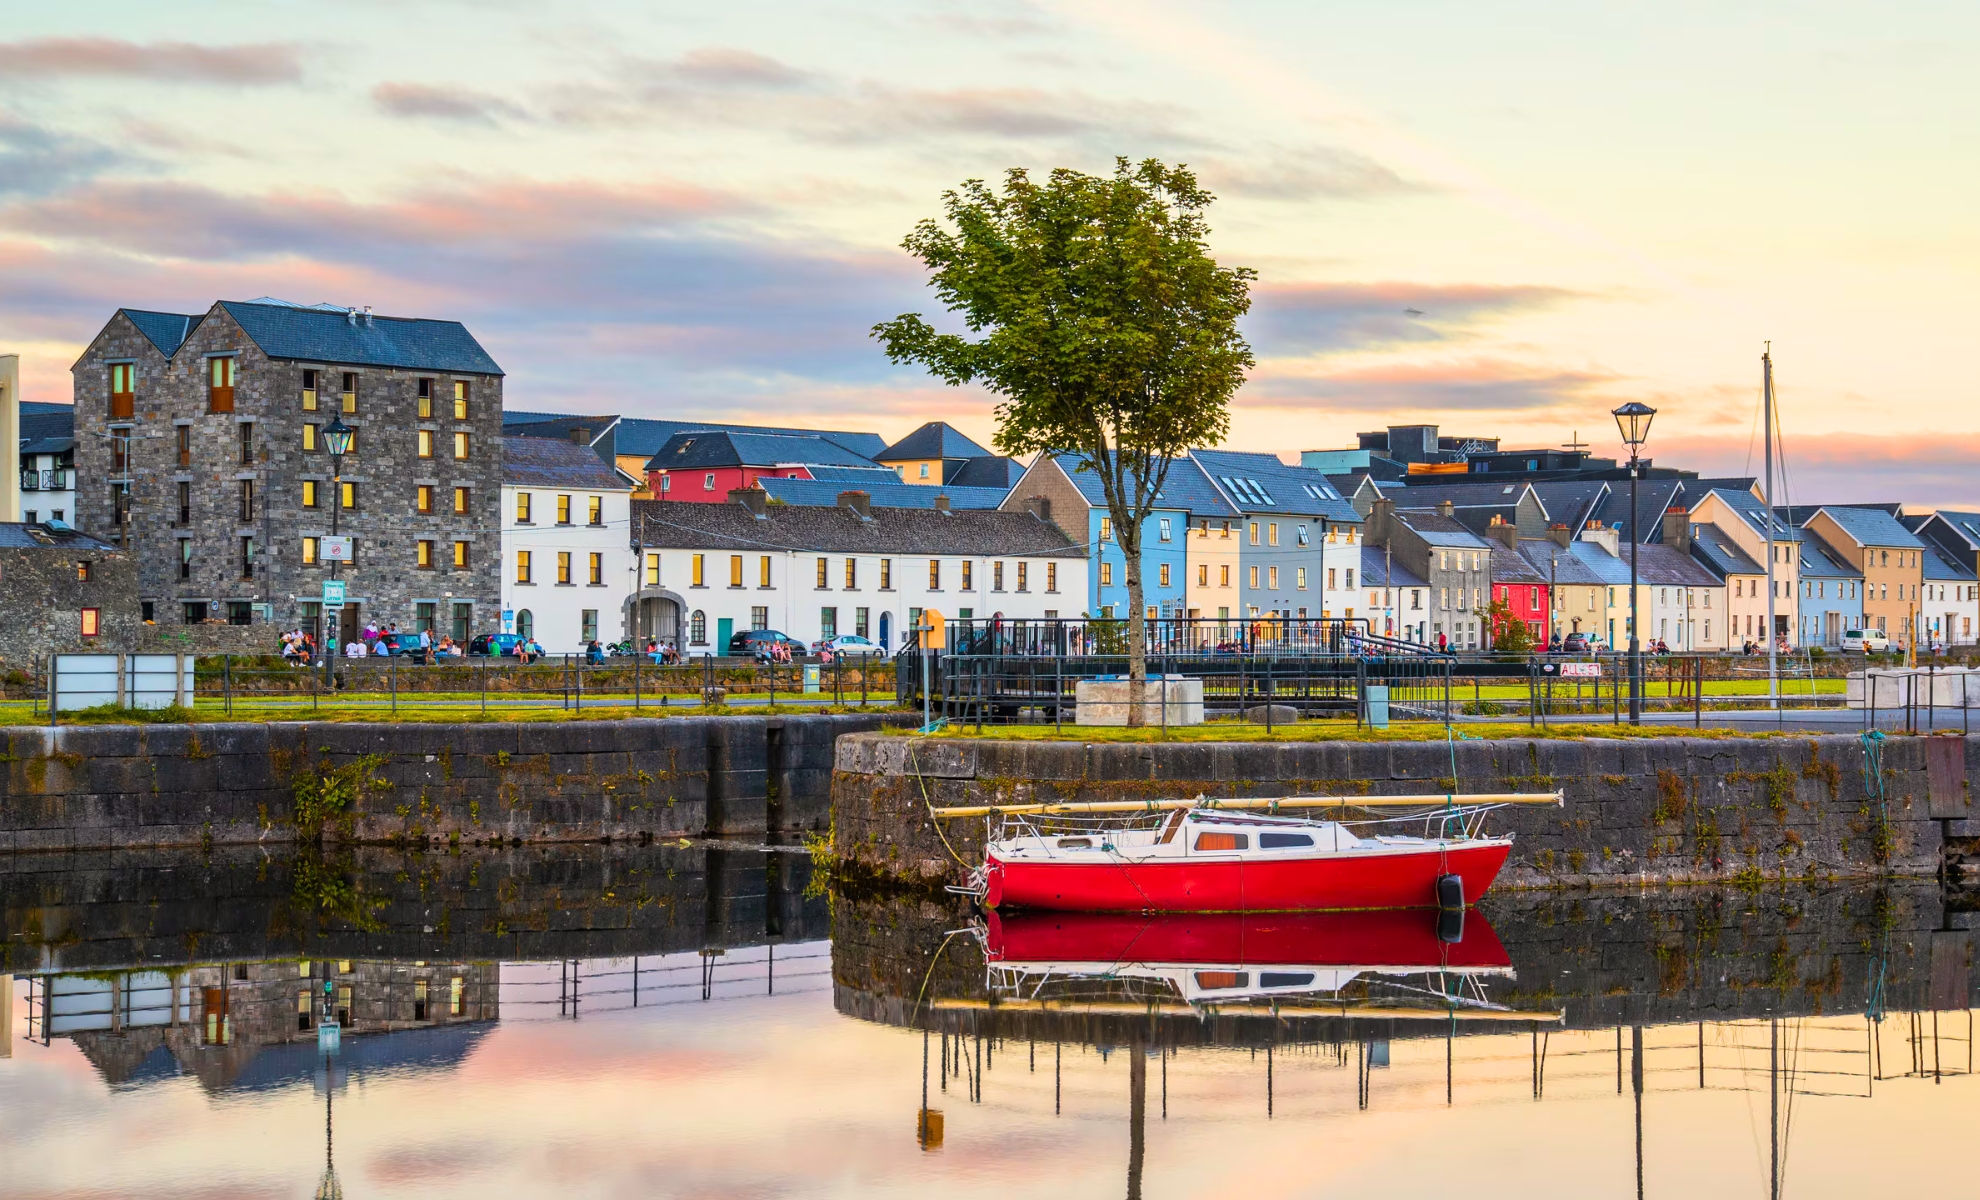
[
  {"x": 333, "y": 589},
  {"x": 334, "y": 549}
]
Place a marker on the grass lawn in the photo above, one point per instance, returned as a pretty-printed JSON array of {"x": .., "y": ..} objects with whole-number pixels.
[{"x": 348, "y": 709}]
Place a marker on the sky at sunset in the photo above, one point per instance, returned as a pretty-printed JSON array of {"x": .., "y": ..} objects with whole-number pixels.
[{"x": 676, "y": 211}]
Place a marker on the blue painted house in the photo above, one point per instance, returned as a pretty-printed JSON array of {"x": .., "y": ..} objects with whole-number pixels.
[
  {"x": 1831, "y": 599},
  {"x": 1058, "y": 489}
]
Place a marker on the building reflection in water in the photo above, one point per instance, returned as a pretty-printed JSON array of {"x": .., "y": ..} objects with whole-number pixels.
[{"x": 1788, "y": 998}]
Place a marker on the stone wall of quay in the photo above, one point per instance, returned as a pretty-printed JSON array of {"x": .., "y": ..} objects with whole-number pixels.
[
  {"x": 126, "y": 786},
  {"x": 1637, "y": 810}
]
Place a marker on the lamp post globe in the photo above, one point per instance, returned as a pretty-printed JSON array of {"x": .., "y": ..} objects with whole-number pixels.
[{"x": 1633, "y": 422}]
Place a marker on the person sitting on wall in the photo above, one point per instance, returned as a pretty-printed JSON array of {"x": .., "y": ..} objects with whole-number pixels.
[
  {"x": 355, "y": 648},
  {"x": 594, "y": 653}
]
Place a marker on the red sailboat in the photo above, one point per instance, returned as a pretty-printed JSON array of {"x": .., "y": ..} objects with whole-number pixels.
[{"x": 1225, "y": 856}]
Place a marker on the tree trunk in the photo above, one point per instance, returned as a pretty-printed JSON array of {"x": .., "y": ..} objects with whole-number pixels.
[{"x": 1137, "y": 624}]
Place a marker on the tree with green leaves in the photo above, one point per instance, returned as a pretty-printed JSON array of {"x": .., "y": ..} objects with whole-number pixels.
[
  {"x": 1510, "y": 634},
  {"x": 1094, "y": 310}
]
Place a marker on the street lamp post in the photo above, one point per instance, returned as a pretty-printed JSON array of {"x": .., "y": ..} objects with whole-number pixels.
[
  {"x": 1633, "y": 419},
  {"x": 336, "y": 439}
]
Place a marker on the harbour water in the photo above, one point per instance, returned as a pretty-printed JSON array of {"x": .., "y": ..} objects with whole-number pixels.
[{"x": 687, "y": 1022}]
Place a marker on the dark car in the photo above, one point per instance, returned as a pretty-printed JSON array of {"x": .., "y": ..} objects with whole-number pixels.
[
  {"x": 752, "y": 642},
  {"x": 496, "y": 645},
  {"x": 397, "y": 645},
  {"x": 1574, "y": 643}
]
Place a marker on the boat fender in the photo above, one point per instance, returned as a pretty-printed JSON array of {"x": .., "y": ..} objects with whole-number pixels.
[
  {"x": 1450, "y": 926},
  {"x": 1450, "y": 892}
]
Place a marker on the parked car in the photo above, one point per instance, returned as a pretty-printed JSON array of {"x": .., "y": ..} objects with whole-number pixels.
[
  {"x": 495, "y": 645},
  {"x": 751, "y": 642},
  {"x": 1574, "y": 643},
  {"x": 1865, "y": 641},
  {"x": 847, "y": 645},
  {"x": 397, "y": 645}
]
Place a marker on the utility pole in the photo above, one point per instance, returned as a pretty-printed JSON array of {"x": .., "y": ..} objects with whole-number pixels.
[{"x": 1767, "y": 424}]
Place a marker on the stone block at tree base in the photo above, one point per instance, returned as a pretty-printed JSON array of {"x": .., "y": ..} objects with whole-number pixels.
[
  {"x": 1273, "y": 714},
  {"x": 1170, "y": 701}
]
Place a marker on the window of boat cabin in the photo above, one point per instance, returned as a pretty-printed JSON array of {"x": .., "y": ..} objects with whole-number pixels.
[
  {"x": 1284, "y": 841},
  {"x": 1217, "y": 981},
  {"x": 1222, "y": 841},
  {"x": 1284, "y": 979}
]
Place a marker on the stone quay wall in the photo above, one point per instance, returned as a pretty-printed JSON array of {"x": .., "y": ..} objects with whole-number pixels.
[
  {"x": 1637, "y": 811},
  {"x": 78, "y": 787}
]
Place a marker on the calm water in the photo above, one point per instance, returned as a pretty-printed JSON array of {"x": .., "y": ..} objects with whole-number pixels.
[{"x": 676, "y": 1022}]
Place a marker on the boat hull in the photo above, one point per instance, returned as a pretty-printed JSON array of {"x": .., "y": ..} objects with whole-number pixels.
[
  {"x": 1401, "y": 878},
  {"x": 1395, "y": 939}
]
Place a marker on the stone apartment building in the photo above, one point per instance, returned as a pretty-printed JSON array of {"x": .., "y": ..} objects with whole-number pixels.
[
  {"x": 201, "y": 436},
  {"x": 1454, "y": 563}
]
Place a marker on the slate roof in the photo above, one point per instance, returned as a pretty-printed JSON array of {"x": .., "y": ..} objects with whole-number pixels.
[
  {"x": 550, "y": 463},
  {"x": 323, "y": 335},
  {"x": 686, "y": 525},
  {"x": 18, "y": 535},
  {"x": 1375, "y": 570},
  {"x": 1439, "y": 530},
  {"x": 1259, "y": 483},
  {"x": 1964, "y": 524},
  {"x": 48, "y": 424},
  {"x": 167, "y": 331},
  {"x": 1937, "y": 566},
  {"x": 558, "y": 426},
  {"x": 988, "y": 471},
  {"x": 1185, "y": 488},
  {"x": 40, "y": 407},
  {"x": 1510, "y": 566},
  {"x": 1570, "y": 564},
  {"x": 859, "y": 476},
  {"x": 1720, "y": 555},
  {"x": 1696, "y": 489},
  {"x": 1653, "y": 496},
  {"x": 47, "y": 445},
  {"x": 934, "y": 440},
  {"x": 1872, "y": 527},
  {"x": 1749, "y": 509},
  {"x": 890, "y": 493},
  {"x": 1817, "y": 563},
  {"x": 695, "y": 450},
  {"x": 1570, "y": 502},
  {"x": 645, "y": 435},
  {"x": 1669, "y": 566}
]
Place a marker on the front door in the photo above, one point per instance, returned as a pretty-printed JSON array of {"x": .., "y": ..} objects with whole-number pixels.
[
  {"x": 886, "y": 630},
  {"x": 349, "y": 624},
  {"x": 725, "y": 628}
]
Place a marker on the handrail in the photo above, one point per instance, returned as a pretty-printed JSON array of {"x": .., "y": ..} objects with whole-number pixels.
[{"x": 1427, "y": 800}]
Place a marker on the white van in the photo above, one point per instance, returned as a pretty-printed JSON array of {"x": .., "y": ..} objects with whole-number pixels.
[{"x": 1860, "y": 641}]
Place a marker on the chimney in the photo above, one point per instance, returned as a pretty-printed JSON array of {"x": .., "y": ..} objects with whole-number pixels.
[
  {"x": 1507, "y": 535},
  {"x": 1560, "y": 535},
  {"x": 1039, "y": 506},
  {"x": 1677, "y": 530},
  {"x": 1604, "y": 537},
  {"x": 580, "y": 436},
  {"x": 859, "y": 502},
  {"x": 755, "y": 499},
  {"x": 941, "y": 504},
  {"x": 1447, "y": 509},
  {"x": 350, "y": 317},
  {"x": 367, "y": 316},
  {"x": 1381, "y": 519}
]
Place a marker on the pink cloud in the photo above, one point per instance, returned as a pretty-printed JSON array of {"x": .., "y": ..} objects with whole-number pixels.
[{"x": 263, "y": 63}]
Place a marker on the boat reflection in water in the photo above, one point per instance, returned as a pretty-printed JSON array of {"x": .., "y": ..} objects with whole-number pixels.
[{"x": 1396, "y": 963}]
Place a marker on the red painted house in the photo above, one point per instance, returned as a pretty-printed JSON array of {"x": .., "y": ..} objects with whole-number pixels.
[
  {"x": 705, "y": 465},
  {"x": 1517, "y": 584}
]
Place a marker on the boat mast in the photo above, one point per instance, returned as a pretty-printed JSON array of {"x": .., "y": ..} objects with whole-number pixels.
[{"x": 1767, "y": 425}]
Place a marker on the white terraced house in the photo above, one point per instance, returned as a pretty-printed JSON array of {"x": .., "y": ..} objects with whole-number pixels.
[
  {"x": 567, "y": 566},
  {"x": 810, "y": 573}
]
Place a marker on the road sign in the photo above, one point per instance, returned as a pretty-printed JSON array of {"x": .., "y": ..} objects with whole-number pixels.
[
  {"x": 334, "y": 549},
  {"x": 1584, "y": 670},
  {"x": 333, "y": 593}
]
